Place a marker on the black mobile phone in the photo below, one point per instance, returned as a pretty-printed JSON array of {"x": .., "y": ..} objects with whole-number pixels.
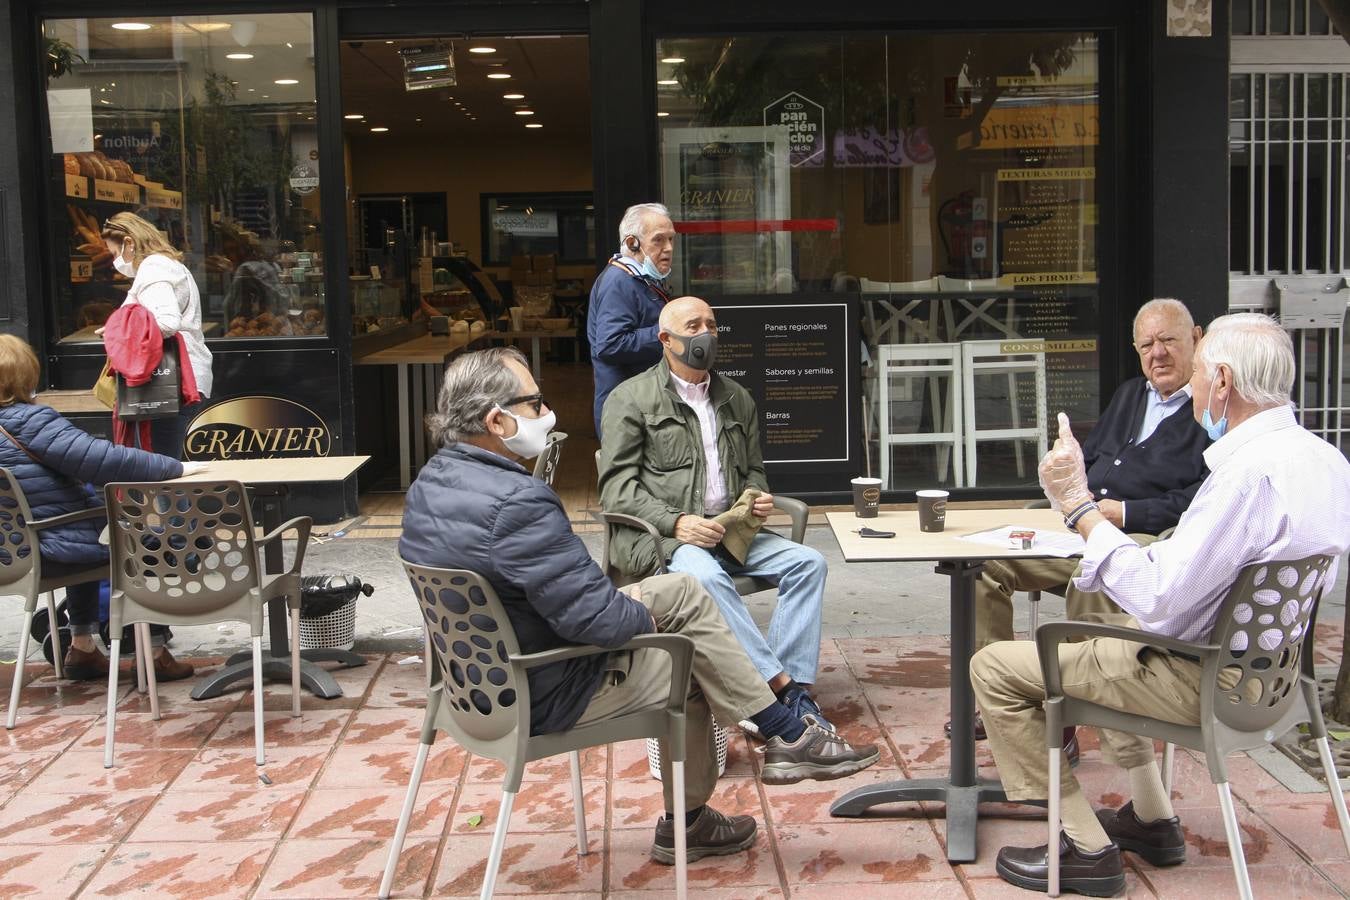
[{"x": 873, "y": 533}]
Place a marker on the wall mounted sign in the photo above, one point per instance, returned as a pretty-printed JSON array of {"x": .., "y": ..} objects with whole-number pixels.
[{"x": 804, "y": 119}]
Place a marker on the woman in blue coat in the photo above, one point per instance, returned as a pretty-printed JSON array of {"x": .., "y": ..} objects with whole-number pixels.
[{"x": 54, "y": 463}]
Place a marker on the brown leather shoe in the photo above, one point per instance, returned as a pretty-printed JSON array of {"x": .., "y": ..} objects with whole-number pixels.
[
  {"x": 712, "y": 834},
  {"x": 1162, "y": 842},
  {"x": 169, "y": 669},
  {"x": 980, "y": 733},
  {"x": 84, "y": 665},
  {"x": 1094, "y": 874}
]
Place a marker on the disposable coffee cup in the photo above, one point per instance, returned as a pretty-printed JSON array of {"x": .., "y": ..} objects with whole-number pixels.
[
  {"x": 932, "y": 510},
  {"x": 866, "y": 497},
  {"x": 517, "y": 318}
]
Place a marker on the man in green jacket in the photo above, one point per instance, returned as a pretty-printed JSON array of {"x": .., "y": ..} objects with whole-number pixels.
[{"x": 679, "y": 446}]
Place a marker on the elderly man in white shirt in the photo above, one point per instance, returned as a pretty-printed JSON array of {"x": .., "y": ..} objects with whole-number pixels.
[{"x": 1275, "y": 492}]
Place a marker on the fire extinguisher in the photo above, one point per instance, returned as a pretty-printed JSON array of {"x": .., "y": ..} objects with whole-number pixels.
[{"x": 956, "y": 227}]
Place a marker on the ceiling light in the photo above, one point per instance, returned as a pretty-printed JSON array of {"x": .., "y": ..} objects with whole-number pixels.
[
  {"x": 533, "y": 125},
  {"x": 666, "y": 81},
  {"x": 388, "y": 42},
  {"x": 673, "y": 60},
  {"x": 106, "y": 102},
  {"x": 238, "y": 55},
  {"x": 250, "y": 90},
  {"x": 98, "y": 137},
  {"x": 207, "y": 27},
  {"x": 499, "y": 76},
  {"x": 290, "y": 46},
  {"x": 354, "y": 116},
  {"x": 419, "y": 118},
  {"x": 662, "y": 115},
  {"x": 286, "y": 81},
  {"x": 524, "y": 112},
  {"x": 265, "y": 96},
  {"x": 379, "y": 129},
  {"x": 513, "y": 96},
  {"x": 131, "y": 26},
  {"x": 482, "y": 49}
]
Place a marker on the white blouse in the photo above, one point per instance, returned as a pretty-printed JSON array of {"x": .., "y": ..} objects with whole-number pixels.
[{"x": 166, "y": 288}]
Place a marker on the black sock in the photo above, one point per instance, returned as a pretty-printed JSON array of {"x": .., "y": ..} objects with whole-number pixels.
[
  {"x": 690, "y": 816},
  {"x": 774, "y": 720},
  {"x": 787, "y": 690}
]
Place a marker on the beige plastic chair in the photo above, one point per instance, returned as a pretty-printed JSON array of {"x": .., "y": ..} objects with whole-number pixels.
[
  {"x": 21, "y": 572},
  {"x": 796, "y": 510},
  {"x": 184, "y": 554},
  {"x": 1262, "y": 645},
  {"x": 546, "y": 463},
  {"x": 481, "y": 698}
]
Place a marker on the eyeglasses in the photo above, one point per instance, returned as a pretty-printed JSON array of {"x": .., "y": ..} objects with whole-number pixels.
[
  {"x": 535, "y": 400},
  {"x": 1170, "y": 344}
]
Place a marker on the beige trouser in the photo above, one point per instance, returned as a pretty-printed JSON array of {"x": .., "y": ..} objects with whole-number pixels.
[
  {"x": 725, "y": 683},
  {"x": 1120, "y": 674},
  {"x": 1001, "y": 577}
]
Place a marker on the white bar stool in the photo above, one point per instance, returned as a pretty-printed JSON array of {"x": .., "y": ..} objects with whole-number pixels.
[
  {"x": 1010, "y": 358},
  {"x": 930, "y": 362}
]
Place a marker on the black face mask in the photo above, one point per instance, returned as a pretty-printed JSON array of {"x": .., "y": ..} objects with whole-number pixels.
[{"x": 700, "y": 351}]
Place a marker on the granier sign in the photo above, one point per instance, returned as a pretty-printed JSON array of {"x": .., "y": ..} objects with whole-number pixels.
[{"x": 805, "y": 122}]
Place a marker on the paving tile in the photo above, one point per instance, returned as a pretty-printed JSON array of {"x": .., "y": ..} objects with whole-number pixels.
[
  {"x": 281, "y": 729},
  {"x": 18, "y": 769},
  {"x": 898, "y": 851},
  {"x": 46, "y": 730},
  {"x": 544, "y": 863},
  {"x": 539, "y": 807},
  {"x": 332, "y": 869},
  {"x": 140, "y": 731},
  {"x": 1309, "y": 824},
  {"x": 397, "y": 725},
  {"x": 809, "y": 801},
  {"x": 36, "y": 870},
  {"x": 41, "y": 817},
  {"x": 233, "y": 770},
  {"x": 81, "y": 771},
  {"x": 1206, "y": 844},
  {"x": 254, "y": 814},
  {"x": 1186, "y": 881},
  {"x": 906, "y": 706},
  {"x": 390, "y": 766},
  {"x": 552, "y": 768},
  {"x": 72, "y": 698},
  {"x": 706, "y": 893},
  {"x": 998, "y": 889},
  {"x": 182, "y": 869},
  {"x": 629, "y": 760},
  {"x": 638, "y": 802},
  {"x": 360, "y": 813},
  {"x": 398, "y": 686},
  {"x": 919, "y": 890},
  {"x": 632, "y": 869}
]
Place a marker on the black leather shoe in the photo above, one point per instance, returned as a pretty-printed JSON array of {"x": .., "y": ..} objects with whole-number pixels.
[
  {"x": 980, "y": 733},
  {"x": 1093, "y": 874},
  {"x": 712, "y": 834},
  {"x": 1162, "y": 843}
]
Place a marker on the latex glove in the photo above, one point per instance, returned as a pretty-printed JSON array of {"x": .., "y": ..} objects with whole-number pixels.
[
  {"x": 192, "y": 468},
  {"x": 1062, "y": 473},
  {"x": 698, "y": 531}
]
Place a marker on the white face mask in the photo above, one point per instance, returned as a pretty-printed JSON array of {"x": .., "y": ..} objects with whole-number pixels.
[
  {"x": 531, "y": 434},
  {"x": 123, "y": 266}
]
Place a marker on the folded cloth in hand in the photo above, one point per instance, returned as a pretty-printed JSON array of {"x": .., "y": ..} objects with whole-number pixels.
[{"x": 741, "y": 525}]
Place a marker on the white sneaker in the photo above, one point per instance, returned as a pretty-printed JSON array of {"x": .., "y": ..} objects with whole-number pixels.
[{"x": 750, "y": 728}]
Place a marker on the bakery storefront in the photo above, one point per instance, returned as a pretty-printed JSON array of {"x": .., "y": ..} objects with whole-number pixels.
[{"x": 923, "y": 233}]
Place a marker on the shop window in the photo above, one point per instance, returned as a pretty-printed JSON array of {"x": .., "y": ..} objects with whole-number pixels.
[
  {"x": 205, "y": 126},
  {"x": 560, "y": 224},
  {"x": 948, "y": 180}
]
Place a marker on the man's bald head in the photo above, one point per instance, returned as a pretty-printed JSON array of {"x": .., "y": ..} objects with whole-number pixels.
[{"x": 684, "y": 311}]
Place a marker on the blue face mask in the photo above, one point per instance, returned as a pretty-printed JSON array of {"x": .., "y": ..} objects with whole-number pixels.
[
  {"x": 1215, "y": 430},
  {"x": 649, "y": 269}
]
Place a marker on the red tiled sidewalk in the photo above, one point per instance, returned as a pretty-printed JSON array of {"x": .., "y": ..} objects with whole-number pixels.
[{"x": 184, "y": 814}]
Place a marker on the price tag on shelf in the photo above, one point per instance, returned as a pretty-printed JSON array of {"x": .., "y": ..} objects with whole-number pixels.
[
  {"x": 81, "y": 269},
  {"x": 162, "y": 198},
  {"x": 116, "y": 191},
  {"x": 77, "y": 186}
]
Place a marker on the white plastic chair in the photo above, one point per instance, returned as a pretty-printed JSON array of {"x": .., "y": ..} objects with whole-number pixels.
[
  {"x": 1010, "y": 358},
  {"x": 930, "y": 362}
]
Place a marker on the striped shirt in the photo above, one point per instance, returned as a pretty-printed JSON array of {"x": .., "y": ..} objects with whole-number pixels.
[{"x": 1275, "y": 492}]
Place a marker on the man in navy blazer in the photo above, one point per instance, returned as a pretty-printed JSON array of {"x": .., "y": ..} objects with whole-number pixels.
[{"x": 1144, "y": 464}]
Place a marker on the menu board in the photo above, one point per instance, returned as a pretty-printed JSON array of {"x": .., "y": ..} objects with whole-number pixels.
[{"x": 799, "y": 361}]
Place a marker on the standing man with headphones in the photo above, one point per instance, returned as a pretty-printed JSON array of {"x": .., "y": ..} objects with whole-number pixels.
[{"x": 627, "y": 298}]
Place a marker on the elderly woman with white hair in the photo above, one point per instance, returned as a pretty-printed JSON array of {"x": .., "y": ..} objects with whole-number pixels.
[{"x": 627, "y": 298}]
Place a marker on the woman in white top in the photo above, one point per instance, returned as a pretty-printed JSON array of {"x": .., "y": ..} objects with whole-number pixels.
[{"x": 164, "y": 286}]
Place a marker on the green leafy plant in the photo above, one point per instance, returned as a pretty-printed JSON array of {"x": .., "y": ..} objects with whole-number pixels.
[{"x": 59, "y": 57}]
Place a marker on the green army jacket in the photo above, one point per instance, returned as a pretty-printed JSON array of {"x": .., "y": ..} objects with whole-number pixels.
[{"x": 651, "y": 459}]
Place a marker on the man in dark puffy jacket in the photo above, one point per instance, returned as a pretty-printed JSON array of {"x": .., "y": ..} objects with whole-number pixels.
[
  {"x": 53, "y": 461},
  {"x": 475, "y": 507}
]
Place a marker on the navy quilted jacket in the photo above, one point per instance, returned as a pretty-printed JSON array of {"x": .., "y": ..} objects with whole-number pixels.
[{"x": 71, "y": 460}]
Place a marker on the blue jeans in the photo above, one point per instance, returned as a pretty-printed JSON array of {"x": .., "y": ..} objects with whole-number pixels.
[{"x": 793, "y": 641}]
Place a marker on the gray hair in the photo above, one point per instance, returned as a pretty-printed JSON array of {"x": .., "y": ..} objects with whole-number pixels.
[
  {"x": 631, "y": 223},
  {"x": 474, "y": 383},
  {"x": 1257, "y": 350},
  {"x": 1165, "y": 305}
]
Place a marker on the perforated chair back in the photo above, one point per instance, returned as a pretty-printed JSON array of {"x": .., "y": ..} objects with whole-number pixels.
[
  {"x": 486, "y": 700},
  {"x": 1263, "y": 640},
  {"x": 20, "y": 567},
  {"x": 546, "y": 465},
  {"x": 182, "y": 551}
]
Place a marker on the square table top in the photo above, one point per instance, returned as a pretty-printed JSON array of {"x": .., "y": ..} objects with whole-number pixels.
[
  {"x": 285, "y": 469},
  {"x": 912, "y": 545}
]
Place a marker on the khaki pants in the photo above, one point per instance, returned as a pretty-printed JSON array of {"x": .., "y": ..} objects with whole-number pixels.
[
  {"x": 1001, "y": 577},
  {"x": 1120, "y": 674},
  {"x": 725, "y": 683}
]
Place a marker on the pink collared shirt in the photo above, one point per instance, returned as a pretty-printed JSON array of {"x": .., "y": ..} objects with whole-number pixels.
[{"x": 696, "y": 396}]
